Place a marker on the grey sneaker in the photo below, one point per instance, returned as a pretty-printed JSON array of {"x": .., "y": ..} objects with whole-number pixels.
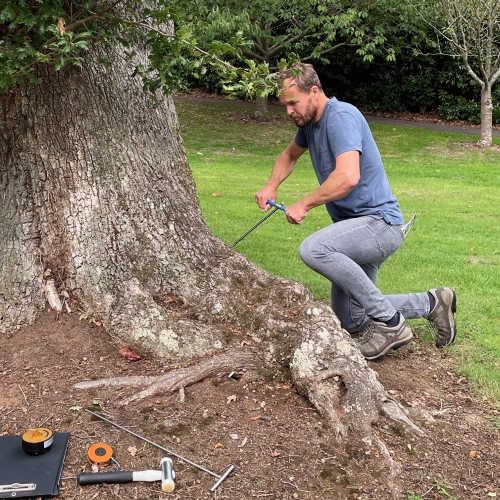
[
  {"x": 378, "y": 338},
  {"x": 442, "y": 316}
]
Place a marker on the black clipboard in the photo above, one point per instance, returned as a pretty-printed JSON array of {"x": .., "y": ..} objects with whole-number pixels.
[{"x": 42, "y": 470}]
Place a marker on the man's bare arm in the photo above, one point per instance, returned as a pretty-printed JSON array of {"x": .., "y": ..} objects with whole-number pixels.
[
  {"x": 339, "y": 183},
  {"x": 284, "y": 166}
]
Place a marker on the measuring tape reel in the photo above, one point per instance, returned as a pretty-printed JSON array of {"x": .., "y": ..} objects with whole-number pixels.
[{"x": 100, "y": 454}]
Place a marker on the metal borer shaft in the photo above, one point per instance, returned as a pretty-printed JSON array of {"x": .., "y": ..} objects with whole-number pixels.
[
  {"x": 158, "y": 446},
  {"x": 252, "y": 228}
]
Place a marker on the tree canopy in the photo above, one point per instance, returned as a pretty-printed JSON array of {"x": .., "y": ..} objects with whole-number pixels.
[
  {"x": 252, "y": 35},
  {"x": 57, "y": 33},
  {"x": 265, "y": 33}
]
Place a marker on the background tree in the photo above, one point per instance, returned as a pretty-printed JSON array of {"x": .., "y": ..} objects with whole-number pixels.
[
  {"x": 99, "y": 207},
  {"x": 265, "y": 32},
  {"x": 471, "y": 31}
]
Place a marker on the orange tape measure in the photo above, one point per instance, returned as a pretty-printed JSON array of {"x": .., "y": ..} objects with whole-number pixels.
[{"x": 100, "y": 454}]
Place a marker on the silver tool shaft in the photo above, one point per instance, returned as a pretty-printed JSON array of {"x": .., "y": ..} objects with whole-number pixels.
[{"x": 154, "y": 444}]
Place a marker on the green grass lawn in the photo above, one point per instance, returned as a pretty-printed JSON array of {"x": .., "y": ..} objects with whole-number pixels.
[{"x": 453, "y": 190}]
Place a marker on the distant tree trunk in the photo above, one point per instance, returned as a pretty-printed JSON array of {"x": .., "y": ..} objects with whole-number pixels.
[
  {"x": 97, "y": 196},
  {"x": 262, "y": 108},
  {"x": 486, "y": 134}
]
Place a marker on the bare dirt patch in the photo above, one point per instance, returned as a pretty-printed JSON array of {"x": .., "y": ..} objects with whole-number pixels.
[
  {"x": 280, "y": 447},
  {"x": 473, "y": 146}
]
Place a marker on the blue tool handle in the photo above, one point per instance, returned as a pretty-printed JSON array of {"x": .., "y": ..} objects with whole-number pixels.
[{"x": 281, "y": 207}]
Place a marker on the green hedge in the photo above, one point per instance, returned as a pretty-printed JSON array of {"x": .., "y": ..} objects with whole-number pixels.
[{"x": 413, "y": 83}]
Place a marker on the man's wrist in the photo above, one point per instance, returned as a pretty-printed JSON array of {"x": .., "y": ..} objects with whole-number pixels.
[
  {"x": 272, "y": 186},
  {"x": 307, "y": 204}
]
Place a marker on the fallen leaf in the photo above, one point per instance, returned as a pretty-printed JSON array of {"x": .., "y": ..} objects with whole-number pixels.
[
  {"x": 218, "y": 445},
  {"x": 231, "y": 398},
  {"x": 275, "y": 454},
  {"x": 132, "y": 450},
  {"x": 256, "y": 418},
  {"x": 130, "y": 354},
  {"x": 473, "y": 454},
  {"x": 215, "y": 193}
]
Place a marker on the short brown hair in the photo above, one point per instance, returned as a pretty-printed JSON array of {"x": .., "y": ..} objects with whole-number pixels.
[{"x": 304, "y": 75}]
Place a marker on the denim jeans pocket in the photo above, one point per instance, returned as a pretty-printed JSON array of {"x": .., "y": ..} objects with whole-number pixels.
[{"x": 388, "y": 237}]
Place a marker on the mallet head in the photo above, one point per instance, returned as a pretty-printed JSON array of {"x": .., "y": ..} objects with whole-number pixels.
[{"x": 167, "y": 475}]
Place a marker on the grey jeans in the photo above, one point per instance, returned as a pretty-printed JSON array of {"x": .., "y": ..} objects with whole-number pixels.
[{"x": 349, "y": 254}]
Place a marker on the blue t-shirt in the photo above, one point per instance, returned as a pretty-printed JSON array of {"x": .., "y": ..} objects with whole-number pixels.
[{"x": 343, "y": 128}]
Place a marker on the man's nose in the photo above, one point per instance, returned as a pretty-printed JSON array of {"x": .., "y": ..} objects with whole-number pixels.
[{"x": 289, "y": 110}]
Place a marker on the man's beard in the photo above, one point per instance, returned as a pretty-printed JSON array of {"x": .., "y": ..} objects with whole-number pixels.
[{"x": 303, "y": 120}]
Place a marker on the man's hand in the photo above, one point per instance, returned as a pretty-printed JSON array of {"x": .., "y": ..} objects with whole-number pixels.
[
  {"x": 282, "y": 169},
  {"x": 266, "y": 193},
  {"x": 296, "y": 213}
]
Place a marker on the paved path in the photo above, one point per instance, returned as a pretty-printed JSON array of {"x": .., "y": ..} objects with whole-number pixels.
[{"x": 370, "y": 119}]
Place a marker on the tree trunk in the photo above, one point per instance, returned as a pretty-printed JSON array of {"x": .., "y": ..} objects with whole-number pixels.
[
  {"x": 262, "y": 108},
  {"x": 97, "y": 196},
  {"x": 261, "y": 105},
  {"x": 486, "y": 134}
]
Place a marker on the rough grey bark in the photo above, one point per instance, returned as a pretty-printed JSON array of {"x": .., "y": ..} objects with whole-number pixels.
[
  {"x": 96, "y": 190},
  {"x": 98, "y": 197}
]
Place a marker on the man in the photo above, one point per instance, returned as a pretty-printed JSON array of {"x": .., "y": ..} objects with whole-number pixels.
[{"x": 367, "y": 219}]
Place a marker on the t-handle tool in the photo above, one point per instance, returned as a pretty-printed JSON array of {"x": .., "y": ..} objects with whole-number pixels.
[
  {"x": 269, "y": 202},
  {"x": 275, "y": 205}
]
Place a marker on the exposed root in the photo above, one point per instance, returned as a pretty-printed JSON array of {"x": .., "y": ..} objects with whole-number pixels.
[
  {"x": 394, "y": 467},
  {"x": 138, "y": 381},
  {"x": 328, "y": 368},
  {"x": 392, "y": 409},
  {"x": 177, "y": 380}
]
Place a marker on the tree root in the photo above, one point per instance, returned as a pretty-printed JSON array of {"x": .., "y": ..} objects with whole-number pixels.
[
  {"x": 326, "y": 367},
  {"x": 330, "y": 371},
  {"x": 176, "y": 380},
  {"x": 394, "y": 467}
]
